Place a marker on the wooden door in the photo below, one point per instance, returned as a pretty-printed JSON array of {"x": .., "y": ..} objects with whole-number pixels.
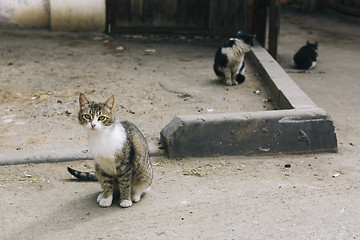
[{"x": 157, "y": 15}]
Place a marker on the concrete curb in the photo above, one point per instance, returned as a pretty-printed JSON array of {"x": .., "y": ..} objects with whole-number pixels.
[
  {"x": 298, "y": 127},
  {"x": 57, "y": 155},
  {"x": 44, "y": 156}
]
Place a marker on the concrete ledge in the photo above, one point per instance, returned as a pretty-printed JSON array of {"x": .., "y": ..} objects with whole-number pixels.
[
  {"x": 286, "y": 93},
  {"x": 57, "y": 155},
  {"x": 270, "y": 132},
  {"x": 298, "y": 127}
]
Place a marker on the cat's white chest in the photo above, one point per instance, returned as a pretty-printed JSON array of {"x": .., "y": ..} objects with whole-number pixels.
[
  {"x": 106, "y": 164},
  {"x": 105, "y": 144},
  {"x": 235, "y": 55}
]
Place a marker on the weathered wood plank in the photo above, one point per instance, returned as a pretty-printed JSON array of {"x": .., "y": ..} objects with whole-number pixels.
[{"x": 274, "y": 27}]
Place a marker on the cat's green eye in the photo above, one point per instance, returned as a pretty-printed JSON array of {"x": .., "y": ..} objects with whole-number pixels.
[
  {"x": 87, "y": 116},
  {"x": 101, "y": 118}
]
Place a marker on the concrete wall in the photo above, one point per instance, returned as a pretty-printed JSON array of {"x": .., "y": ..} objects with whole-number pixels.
[
  {"x": 58, "y": 15},
  {"x": 24, "y": 13},
  {"x": 78, "y": 15}
]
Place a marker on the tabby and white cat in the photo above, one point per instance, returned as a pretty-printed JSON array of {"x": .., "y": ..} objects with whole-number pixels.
[
  {"x": 306, "y": 56},
  {"x": 120, "y": 151},
  {"x": 229, "y": 64}
]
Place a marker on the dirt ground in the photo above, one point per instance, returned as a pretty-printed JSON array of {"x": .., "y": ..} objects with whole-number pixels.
[
  {"x": 153, "y": 79},
  {"x": 252, "y": 197}
]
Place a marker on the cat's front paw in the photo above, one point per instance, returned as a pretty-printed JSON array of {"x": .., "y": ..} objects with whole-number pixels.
[
  {"x": 136, "y": 198},
  {"x": 125, "y": 203},
  {"x": 104, "y": 202},
  {"x": 234, "y": 83}
]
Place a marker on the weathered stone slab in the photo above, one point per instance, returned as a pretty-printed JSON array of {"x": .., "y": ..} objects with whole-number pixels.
[{"x": 270, "y": 132}]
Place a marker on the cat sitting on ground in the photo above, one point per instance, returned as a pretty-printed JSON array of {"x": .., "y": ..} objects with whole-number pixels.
[
  {"x": 229, "y": 64},
  {"x": 305, "y": 58},
  {"x": 120, "y": 151}
]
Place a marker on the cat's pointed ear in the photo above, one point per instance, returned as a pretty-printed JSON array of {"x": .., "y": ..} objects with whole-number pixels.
[
  {"x": 110, "y": 102},
  {"x": 83, "y": 101}
]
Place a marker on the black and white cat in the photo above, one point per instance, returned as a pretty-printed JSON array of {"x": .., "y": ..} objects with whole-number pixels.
[
  {"x": 229, "y": 64},
  {"x": 305, "y": 58}
]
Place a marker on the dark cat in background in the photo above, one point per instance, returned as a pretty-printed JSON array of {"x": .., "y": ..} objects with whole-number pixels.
[
  {"x": 229, "y": 64},
  {"x": 305, "y": 58}
]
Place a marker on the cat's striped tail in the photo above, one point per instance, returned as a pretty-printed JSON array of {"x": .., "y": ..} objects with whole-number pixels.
[{"x": 83, "y": 176}]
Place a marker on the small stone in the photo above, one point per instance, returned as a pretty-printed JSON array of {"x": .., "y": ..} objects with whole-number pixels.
[
  {"x": 44, "y": 97},
  {"x": 336, "y": 175},
  {"x": 288, "y": 165},
  {"x": 150, "y": 51}
]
